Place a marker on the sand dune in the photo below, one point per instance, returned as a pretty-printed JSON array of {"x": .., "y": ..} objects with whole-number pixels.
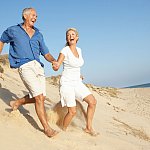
[{"x": 122, "y": 117}]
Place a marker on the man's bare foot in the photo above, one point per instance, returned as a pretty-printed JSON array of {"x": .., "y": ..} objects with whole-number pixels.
[
  {"x": 91, "y": 132},
  {"x": 51, "y": 133},
  {"x": 14, "y": 105},
  {"x": 64, "y": 128}
]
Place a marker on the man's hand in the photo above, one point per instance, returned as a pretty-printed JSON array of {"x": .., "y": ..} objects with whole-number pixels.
[{"x": 55, "y": 65}]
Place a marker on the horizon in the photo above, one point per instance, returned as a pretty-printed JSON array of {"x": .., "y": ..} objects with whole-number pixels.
[
  {"x": 142, "y": 85},
  {"x": 113, "y": 36}
]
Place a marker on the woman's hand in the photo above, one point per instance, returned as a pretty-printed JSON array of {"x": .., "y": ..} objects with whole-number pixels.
[{"x": 55, "y": 65}]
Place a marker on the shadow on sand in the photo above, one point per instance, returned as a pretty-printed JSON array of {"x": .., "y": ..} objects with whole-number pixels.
[{"x": 7, "y": 96}]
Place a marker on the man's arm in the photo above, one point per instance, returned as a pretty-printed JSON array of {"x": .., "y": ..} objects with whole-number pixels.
[
  {"x": 49, "y": 57},
  {"x": 1, "y": 46}
]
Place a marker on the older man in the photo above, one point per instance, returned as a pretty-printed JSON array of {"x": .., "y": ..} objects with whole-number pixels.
[{"x": 26, "y": 46}]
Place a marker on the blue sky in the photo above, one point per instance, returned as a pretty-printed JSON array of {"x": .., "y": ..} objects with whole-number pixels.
[{"x": 114, "y": 35}]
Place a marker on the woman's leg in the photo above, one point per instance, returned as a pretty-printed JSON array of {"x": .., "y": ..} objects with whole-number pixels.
[
  {"x": 91, "y": 101},
  {"x": 71, "y": 113}
]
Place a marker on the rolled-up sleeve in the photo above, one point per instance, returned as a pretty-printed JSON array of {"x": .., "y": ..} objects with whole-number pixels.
[
  {"x": 6, "y": 36},
  {"x": 43, "y": 48}
]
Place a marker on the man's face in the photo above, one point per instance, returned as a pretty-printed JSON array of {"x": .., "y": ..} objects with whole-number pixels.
[{"x": 31, "y": 18}]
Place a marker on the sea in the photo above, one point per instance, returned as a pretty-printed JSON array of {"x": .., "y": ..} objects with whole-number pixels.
[{"x": 147, "y": 85}]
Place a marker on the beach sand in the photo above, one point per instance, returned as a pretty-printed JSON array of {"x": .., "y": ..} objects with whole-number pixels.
[{"x": 122, "y": 118}]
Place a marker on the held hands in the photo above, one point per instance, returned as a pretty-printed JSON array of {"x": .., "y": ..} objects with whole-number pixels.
[{"x": 55, "y": 65}]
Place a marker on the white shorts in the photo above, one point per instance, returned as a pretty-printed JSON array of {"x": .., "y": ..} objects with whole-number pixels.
[
  {"x": 69, "y": 94},
  {"x": 32, "y": 75}
]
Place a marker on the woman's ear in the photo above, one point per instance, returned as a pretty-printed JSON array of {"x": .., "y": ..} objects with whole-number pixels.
[{"x": 77, "y": 39}]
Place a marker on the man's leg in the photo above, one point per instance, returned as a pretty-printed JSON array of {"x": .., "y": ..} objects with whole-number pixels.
[
  {"x": 40, "y": 110},
  {"x": 21, "y": 101},
  {"x": 32, "y": 75}
]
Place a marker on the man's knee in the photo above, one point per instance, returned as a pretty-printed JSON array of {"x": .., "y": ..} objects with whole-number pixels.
[{"x": 39, "y": 98}]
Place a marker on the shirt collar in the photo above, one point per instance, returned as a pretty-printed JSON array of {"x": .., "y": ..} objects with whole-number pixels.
[{"x": 36, "y": 29}]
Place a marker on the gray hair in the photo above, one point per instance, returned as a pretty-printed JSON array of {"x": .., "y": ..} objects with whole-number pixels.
[
  {"x": 72, "y": 29},
  {"x": 26, "y": 11}
]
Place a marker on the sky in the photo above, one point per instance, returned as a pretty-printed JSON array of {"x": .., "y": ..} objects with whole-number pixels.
[{"x": 114, "y": 36}]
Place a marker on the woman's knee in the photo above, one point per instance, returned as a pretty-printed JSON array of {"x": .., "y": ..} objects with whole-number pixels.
[
  {"x": 93, "y": 102},
  {"x": 72, "y": 112},
  {"x": 90, "y": 100}
]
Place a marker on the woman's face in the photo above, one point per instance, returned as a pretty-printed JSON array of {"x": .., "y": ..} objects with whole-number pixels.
[{"x": 71, "y": 37}]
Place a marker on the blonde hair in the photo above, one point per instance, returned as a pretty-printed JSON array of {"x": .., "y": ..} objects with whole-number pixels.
[
  {"x": 72, "y": 29},
  {"x": 26, "y": 11}
]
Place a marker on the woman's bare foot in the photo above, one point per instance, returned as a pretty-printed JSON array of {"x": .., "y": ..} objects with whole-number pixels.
[
  {"x": 51, "y": 133},
  {"x": 14, "y": 105},
  {"x": 91, "y": 132}
]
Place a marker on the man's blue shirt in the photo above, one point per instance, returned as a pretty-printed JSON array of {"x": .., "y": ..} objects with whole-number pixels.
[{"x": 23, "y": 48}]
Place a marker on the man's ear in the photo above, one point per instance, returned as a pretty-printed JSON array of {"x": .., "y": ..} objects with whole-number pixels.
[{"x": 25, "y": 16}]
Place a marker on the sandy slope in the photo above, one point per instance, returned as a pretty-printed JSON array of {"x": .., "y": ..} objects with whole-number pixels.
[{"x": 122, "y": 117}]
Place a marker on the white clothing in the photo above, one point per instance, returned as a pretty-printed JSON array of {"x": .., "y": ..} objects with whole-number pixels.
[
  {"x": 32, "y": 75},
  {"x": 69, "y": 94},
  {"x": 71, "y": 86}
]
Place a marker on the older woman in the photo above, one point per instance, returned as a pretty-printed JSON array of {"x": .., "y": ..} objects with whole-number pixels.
[{"x": 71, "y": 86}]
